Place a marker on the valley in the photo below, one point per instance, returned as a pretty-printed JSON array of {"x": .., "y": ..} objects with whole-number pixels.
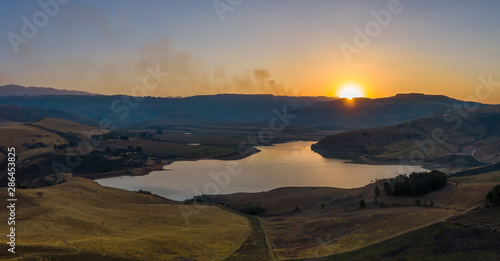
[{"x": 61, "y": 155}]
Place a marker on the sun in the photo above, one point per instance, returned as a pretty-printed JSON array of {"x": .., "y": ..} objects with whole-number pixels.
[{"x": 350, "y": 90}]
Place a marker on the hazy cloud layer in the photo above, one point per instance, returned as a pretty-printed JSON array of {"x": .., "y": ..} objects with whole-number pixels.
[{"x": 187, "y": 72}]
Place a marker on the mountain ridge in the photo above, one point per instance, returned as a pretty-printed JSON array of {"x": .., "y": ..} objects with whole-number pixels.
[{"x": 18, "y": 90}]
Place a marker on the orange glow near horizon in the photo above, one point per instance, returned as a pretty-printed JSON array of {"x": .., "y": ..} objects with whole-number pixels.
[{"x": 350, "y": 90}]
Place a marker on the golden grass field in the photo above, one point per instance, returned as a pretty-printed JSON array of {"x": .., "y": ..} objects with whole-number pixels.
[
  {"x": 491, "y": 177},
  {"x": 82, "y": 217},
  {"x": 69, "y": 127},
  {"x": 24, "y": 136},
  {"x": 340, "y": 226},
  {"x": 19, "y": 136}
]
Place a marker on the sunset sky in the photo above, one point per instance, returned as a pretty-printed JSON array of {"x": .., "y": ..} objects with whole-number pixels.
[{"x": 283, "y": 47}]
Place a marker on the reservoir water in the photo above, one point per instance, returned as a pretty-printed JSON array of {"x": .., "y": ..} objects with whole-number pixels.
[{"x": 282, "y": 165}]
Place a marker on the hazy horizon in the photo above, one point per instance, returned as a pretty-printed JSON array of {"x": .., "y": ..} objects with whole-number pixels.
[
  {"x": 281, "y": 47},
  {"x": 228, "y": 93}
]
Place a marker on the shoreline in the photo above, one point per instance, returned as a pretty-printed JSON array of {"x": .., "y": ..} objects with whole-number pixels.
[{"x": 159, "y": 164}]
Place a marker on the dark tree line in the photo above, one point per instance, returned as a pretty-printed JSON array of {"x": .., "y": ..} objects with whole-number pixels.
[{"x": 416, "y": 184}]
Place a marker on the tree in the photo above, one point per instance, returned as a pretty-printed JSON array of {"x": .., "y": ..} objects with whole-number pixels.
[
  {"x": 416, "y": 184},
  {"x": 362, "y": 204},
  {"x": 40, "y": 194},
  {"x": 255, "y": 208},
  {"x": 377, "y": 191},
  {"x": 493, "y": 196},
  {"x": 387, "y": 188}
]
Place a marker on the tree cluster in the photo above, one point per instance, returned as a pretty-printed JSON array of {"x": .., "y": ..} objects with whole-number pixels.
[
  {"x": 255, "y": 208},
  {"x": 416, "y": 184},
  {"x": 493, "y": 196}
]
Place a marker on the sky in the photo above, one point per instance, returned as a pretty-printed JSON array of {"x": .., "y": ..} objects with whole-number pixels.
[{"x": 281, "y": 47}]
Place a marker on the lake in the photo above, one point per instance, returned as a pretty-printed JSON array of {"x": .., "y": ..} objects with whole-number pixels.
[{"x": 283, "y": 165}]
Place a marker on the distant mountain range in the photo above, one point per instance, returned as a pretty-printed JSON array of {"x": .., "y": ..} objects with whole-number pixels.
[
  {"x": 361, "y": 113},
  {"x": 236, "y": 109},
  {"x": 150, "y": 112},
  {"x": 17, "y": 90}
]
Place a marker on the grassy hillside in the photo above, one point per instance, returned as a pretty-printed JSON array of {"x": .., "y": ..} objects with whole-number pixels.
[
  {"x": 28, "y": 140},
  {"x": 474, "y": 235},
  {"x": 314, "y": 222},
  {"x": 80, "y": 219},
  {"x": 19, "y": 114},
  {"x": 441, "y": 241},
  {"x": 489, "y": 177},
  {"x": 65, "y": 126},
  {"x": 474, "y": 136}
]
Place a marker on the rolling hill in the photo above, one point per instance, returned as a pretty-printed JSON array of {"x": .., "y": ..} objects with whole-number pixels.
[
  {"x": 344, "y": 114},
  {"x": 470, "y": 136},
  {"x": 81, "y": 220},
  {"x": 15, "y": 114},
  {"x": 314, "y": 222}
]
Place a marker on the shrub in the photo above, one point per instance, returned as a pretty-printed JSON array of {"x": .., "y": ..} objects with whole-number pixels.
[
  {"x": 493, "y": 196},
  {"x": 323, "y": 206},
  {"x": 382, "y": 204},
  {"x": 362, "y": 204},
  {"x": 418, "y": 203},
  {"x": 254, "y": 208},
  {"x": 377, "y": 192},
  {"x": 202, "y": 199},
  {"x": 297, "y": 209},
  {"x": 431, "y": 204}
]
